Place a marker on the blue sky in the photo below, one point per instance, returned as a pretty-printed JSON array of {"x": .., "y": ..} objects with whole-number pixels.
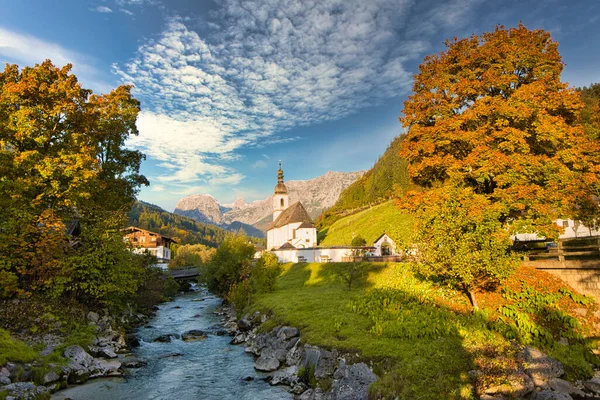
[{"x": 230, "y": 87}]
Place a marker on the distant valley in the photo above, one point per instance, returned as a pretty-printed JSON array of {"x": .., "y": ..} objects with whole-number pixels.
[{"x": 315, "y": 194}]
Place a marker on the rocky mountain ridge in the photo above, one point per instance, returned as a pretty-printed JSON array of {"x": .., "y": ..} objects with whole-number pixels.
[{"x": 315, "y": 194}]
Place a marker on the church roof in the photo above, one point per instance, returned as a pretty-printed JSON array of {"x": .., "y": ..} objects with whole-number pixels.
[
  {"x": 286, "y": 245},
  {"x": 294, "y": 213},
  {"x": 306, "y": 225}
]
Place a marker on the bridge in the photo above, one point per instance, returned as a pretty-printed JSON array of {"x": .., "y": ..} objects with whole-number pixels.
[{"x": 186, "y": 273}]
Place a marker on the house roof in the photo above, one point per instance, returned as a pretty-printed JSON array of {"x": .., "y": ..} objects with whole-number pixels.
[
  {"x": 306, "y": 225},
  {"x": 286, "y": 245},
  {"x": 294, "y": 213},
  {"x": 131, "y": 229},
  {"x": 380, "y": 236}
]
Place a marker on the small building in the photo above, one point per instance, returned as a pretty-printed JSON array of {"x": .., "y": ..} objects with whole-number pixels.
[
  {"x": 572, "y": 229},
  {"x": 292, "y": 226},
  {"x": 384, "y": 246},
  {"x": 144, "y": 241}
]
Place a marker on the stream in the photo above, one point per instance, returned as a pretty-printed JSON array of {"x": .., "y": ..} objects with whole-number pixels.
[{"x": 206, "y": 369}]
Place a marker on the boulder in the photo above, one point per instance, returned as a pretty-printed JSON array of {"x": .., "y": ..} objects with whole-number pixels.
[
  {"x": 239, "y": 338},
  {"x": 562, "y": 386},
  {"x": 166, "y": 338},
  {"x": 516, "y": 386},
  {"x": 102, "y": 367},
  {"x": 4, "y": 380},
  {"x": 93, "y": 318},
  {"x": 315, "y": 394},
  {"x": 287, "y": 376},
  {"x": 593, "y": 385},
  {"x": 4, "y": 371},
  {"x": 550, "y": 395},
  {"x": 541, "y": 367},
  {"x": 193, "y": 335},
  {"x": 24, "y": 391},
  {"x": 133, "y": 363},
  {"x": 244, "y": 325},
  {"x": 132, "y": 340},
  {"x": 79, "y": 362},
  {"x": 294, "y": 355},
  {"x": 267, "y": 361},
  {"x": 326, "y": 364},
  {"x": 106, "y": 352},
  {"x": 351, "y": 382},
  {"x": 50, "y": 378},
  {"x": 287, "y": 332}
]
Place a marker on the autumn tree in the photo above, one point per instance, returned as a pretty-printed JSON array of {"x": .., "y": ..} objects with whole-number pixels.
[
  {"x": 490, "y": 119},
  {"x": 62, "y": 159}
]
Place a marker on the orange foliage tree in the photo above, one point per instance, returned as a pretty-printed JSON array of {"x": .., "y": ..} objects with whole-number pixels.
[
  {"x": 491, "y": 119},
  {"x": 62, "y": 158}
]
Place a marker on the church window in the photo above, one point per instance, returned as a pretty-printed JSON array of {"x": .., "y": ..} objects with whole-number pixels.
[{"x": 281, "y": 202}]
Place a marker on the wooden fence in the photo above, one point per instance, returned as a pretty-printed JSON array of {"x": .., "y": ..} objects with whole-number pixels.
[{"x": 566, "y": 249}]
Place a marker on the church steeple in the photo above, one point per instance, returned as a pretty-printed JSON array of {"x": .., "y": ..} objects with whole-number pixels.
[{"x": 280, "y": 196}]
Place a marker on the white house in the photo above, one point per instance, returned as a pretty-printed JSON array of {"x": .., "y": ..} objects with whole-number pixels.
[
  {"x": 292, "y": 226},
  {"x": 384, "y": 246},
  {"x": 572, "y": 229}
]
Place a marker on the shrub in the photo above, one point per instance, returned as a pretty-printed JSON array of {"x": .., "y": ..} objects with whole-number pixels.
[{"x": 265, "y": 272}]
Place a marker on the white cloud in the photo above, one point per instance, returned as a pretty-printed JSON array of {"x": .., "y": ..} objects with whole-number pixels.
[
  {"x": 29, "y": 50},
  {"x": 103, "y": 9},
  {"x": 157, "y": 188},
  {"x": 259, "y": 164},
  {"x": 126, "y": 11},
  {"x": 265, "y": 68}
]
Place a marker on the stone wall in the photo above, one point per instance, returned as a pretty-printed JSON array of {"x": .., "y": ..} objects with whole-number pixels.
[{"x": 583, "y": 276}]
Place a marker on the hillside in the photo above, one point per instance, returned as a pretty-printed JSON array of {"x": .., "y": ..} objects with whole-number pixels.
[
  {"x": 422, "y": 338},
  {"x": 369, "y": 223},
  {"x": 183, "y": 229},
  {"x": 388, "y": 175},
  {"x": 315, "y": 194}
]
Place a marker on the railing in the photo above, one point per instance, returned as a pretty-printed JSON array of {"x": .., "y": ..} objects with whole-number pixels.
[
  {"x": 394, "y": 258},
  {"x": 187, "y": 272},
  {"x": 565, "y": 249}
]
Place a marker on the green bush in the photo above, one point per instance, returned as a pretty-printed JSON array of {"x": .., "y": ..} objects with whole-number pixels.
[
  {"x": 264, "y": 273},
  {"x": 230, "y": 264}
]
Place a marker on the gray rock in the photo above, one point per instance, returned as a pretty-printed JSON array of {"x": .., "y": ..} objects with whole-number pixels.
[
  {"x": 326, "y": 364},
  {"x": 24, "y": 390},
  {"x": 315, "y": 394},
  {"x": 562, "y": 386},
  {"x": 4, "y": 380},
  {"x": 294, "y": 355},
  {"x": 107, "y": 352},
  {"x": 101, "y": 367},
  {"x": 79, "y": 362},
  {"x": 281, "y": 355},
  {"x": 287, "y": 332},
  {"x": 287, "y": 376},
  {"x": 166, "y": 338},
  {"x": 516, "y": 386},
  {"x": 291, "y": 343},
  {"x": 93, "y": 317},
  {"x": 310, "y": 356},
  {"x": 298, "y": 388},
  {"x": 593, "y": 385},
  {"x": 50, "y": 377},
  {"x": 541, "y": 367},
  {"x": 353, "y": 382},
  {"x": 244, "y": 325},
  {"x": 4, "y": 371},
  {"x": 193, "y": 335},
  {"x": 267, "y": 361},
  {"x": 239, "y": 338},
  {"x": 550, "y": 395}
]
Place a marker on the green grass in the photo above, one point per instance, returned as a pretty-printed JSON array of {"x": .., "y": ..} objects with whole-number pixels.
[
  {"x": 311, "y": 297},
  {"x": 369, "y": 224},
  {"x": 421, "y": 338},
  {"x": 14, "y": 350}
]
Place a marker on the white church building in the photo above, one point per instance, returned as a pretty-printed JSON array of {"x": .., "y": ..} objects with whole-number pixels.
[
  {"x": 292, "y": 226},
  {"x": 292, "y": 236}
]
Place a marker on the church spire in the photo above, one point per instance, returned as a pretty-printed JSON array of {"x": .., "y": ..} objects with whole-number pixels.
[
  {"x": 280, "y": 174},
  {"x": 280, "y": 188}
]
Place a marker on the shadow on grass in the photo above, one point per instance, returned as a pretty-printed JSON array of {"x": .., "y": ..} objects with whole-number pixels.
[{"x": 423, "y": 338}]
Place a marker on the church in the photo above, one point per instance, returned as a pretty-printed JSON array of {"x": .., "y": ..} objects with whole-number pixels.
[{"x": 292, "y": 227}]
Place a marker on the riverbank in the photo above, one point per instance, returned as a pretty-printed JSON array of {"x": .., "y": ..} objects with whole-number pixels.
[
  {"x": 185, "y": 349},
  {"x": 424, "y": 341}
]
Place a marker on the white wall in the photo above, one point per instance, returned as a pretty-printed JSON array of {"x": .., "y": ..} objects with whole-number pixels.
[
  {"x": 572, "y": 229},
  {"x": 313, "y": 255},
  {"x": 379, "y": 243}
]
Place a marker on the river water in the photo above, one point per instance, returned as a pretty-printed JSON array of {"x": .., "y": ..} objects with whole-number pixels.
[{"x": 206, "y": 369}]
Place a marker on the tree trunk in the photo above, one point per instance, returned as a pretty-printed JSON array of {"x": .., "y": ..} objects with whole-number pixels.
[{"x": 473, "y": 299}]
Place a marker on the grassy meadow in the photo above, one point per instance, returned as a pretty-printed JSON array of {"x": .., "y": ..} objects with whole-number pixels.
[
  {"x": 422, "y": 339},
  {"x": 370, "y": 224}
]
